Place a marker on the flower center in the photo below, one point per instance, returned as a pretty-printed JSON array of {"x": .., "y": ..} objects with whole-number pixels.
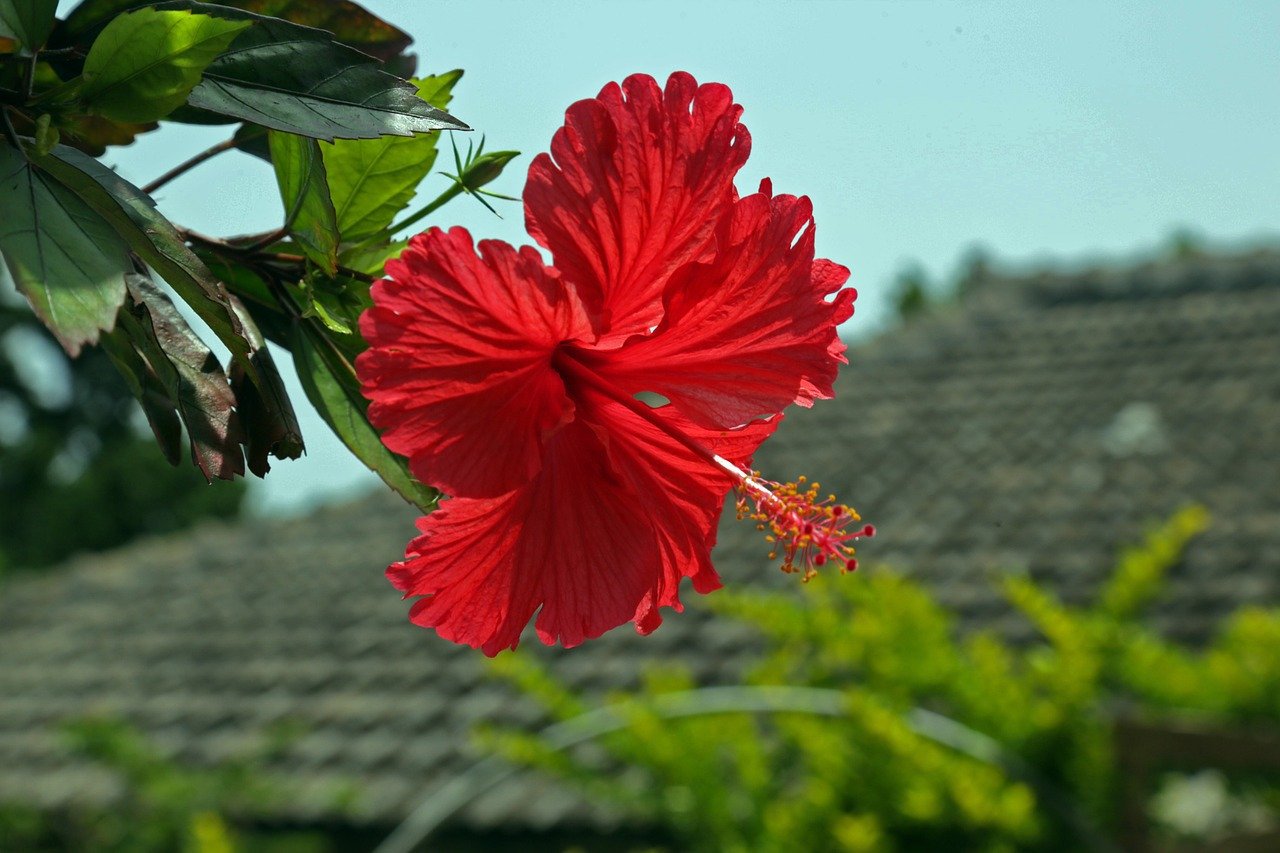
[{"x": 805, "y": 529}]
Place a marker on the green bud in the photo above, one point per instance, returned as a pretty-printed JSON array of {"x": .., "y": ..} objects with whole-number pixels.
[
  {"x": 46, "y": 135},
  {"x": 486, "y": 168}
]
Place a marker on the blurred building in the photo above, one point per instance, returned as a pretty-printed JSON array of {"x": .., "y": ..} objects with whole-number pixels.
[{"x": 1036, "y": 425}]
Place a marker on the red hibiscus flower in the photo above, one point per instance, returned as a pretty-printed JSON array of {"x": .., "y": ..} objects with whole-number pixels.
[{"x": 510, "y": 384}]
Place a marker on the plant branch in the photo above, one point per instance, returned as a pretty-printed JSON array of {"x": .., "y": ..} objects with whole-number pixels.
[
  {"x": 454, "y": 190},
  {"x": 187, "y": 165},
  {"x": 31, "y": 76},
  {"x": 9, "y": 131}
]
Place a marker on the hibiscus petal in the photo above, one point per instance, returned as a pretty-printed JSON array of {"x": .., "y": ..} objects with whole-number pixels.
[
  {"x": 751, "y": 330},
  {"x": 691, "y": 491},
  {"x": 640, "y": 176},
  {"x": 598, "y": 538},
  {"x": 569, "y": 542},
  {"x": 459, "y": 361}
]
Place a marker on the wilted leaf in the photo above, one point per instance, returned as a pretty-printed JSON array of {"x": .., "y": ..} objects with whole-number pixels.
[
  {"x": 270, "y": 426},
  {"x": 28, "y": 22},
  {"x": 331, "y": 386},
  {"x": 146, "y": 62},
  {"x": 349, "y": 23},
  {"x": 149, "y": 391},
  {"x": 152, "y": 237},
  {"x": 190, "y": 375},
  {"x": 371, "y": 180},
  {"x": 298, "y": 80},
  {"x": 304, "y": 188},
  {"x": 64, "y": 258},
  {"x": 92, "y": 134}
]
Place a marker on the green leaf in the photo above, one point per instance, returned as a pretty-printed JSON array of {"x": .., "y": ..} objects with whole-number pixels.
[
  {"x": 336, "y": 301},
  {"x": 28, "y": 22},
  {"x": 298, "y": 80},
  {"x": 144, "y": 63},
  {"x": 153, "y": 238},
  {"x": 372, "y": 258},
  {"x": 330, "y": 382},
  {"x": 309, "y": 213},
  {"x": 65, "y": 259},
  {"x": 190, "y": 376},
  {"x": 270, "y": 426},
  {"x": 371, "y": 180}
]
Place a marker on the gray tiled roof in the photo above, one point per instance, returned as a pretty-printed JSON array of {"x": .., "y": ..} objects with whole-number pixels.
[{"x": 1036, "y": 427}]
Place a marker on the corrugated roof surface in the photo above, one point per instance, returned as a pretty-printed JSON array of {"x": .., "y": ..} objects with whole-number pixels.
[{"x": 1037, "y": 427}]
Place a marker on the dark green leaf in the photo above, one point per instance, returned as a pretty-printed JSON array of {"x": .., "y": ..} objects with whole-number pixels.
[
  {"x": 28, "y": 22},
  {"x": 64, "y": 258},
  {"x": 270, "y": 426},
  {"x": 331, "y": 385},
  {"x": 309, "y": 213},
  {"x": 145, "y": 62},
  {"x": 298, "y": 80},
  {"x": 87, "y": 19},
  {"x": 190, "y": 375},
  {"x": 133, "y": 216},
  {"x": 371, "y": 180}
]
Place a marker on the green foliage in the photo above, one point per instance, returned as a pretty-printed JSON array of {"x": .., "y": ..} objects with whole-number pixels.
[
  {"x": 911, "y": 293},
  {"x": 371, "y": 180},
  {"x": 27, "y": 22},
  {"x": 143, "y": 65},
  {"x": 89, "y": 249},
  {"x": 887, "y": 775},
  {"x": 304, "y": 187},
  {"x": 63, "y": 257},
  {"x": 163, "y": 806}
]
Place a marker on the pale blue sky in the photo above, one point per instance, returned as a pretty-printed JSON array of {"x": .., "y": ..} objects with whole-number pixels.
[{"x": 1061, "y": 132}]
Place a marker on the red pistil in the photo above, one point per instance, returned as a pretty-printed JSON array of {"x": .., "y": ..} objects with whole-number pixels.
[{"x": 806, "y": 530}]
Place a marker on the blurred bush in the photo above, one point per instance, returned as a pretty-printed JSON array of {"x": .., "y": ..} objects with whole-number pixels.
[
  {"x": 161, "y": 805},
  {"x": 875, "y": 778},
  {"x": 77, "y": 459}
]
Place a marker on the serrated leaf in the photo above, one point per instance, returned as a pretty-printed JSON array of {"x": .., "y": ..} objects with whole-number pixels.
[
  {"x": 190, "y": 375},
  {"x": 144, "y": 63},
  {"x": 67, "y": 261},
  {"x": 299, "y": 80},
  {"x": 331, "y": 386},
  {"x": 270, "y": 426},
  {"x": 371, "y": 180},
  {"x": 132, "y": 214},
  {"x": 304, "y": 188},
  {"x": 27, "y": 22}
]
